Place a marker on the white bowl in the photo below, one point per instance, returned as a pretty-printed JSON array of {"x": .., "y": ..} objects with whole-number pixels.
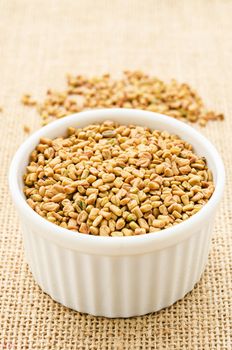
[{"x": 117, "y": 276}]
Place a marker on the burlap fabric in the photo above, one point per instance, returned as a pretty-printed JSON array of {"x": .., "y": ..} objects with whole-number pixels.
[{"x": 40, "y": 41}]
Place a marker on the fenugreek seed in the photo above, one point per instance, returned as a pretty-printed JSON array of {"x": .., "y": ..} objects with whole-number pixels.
[
  {"x": 185, "y": 216},
  {"x": 30, "y": 179},
  {"x": 108, "y": 177},
  {"x": 72, "y": 224},
  {"x": 97, "y": 221},
  {"x": 58, "y": 188},
  {"x": 120, "y": 224},
  {"x": 140, "y": 231},
  {"x": 97, "y": 183},
  {"x": 118, "y": 182},
  {"x": 115, "y": 200},
  {"x": 72, "y": 215},
  {"x": 199, "y": 166},
  {"x": 94, "y": 230},
  {"x": 163, "y": 209},
  {"x": 177, "y": 207},
  {"x": 105, "y": 214},
  {"x": 109, "y": 133},
  {"x": 197, "y": 197},
  {"x": 142, "y": 196},
  {"x": 104, "y": 230},
  {"x": 116, "y": 234},
  {"x": 185, "y": 199},
  {"x": 158, "y": 223},
  {"x": 137, "y": 212},
  {"x": 104, "y": 222},
  {"x": 50, "y": 206},
  {"x": 134, "y": 197},
  {"x": 185, "y": 169},
  {"x": 188, "y": 207},
  {"x": 133, "y": 225},
  {"x": 36, "y": 198},
  {"x": 168, "y": 172},
  {"x": 145, "y": 208},
  {"x": 176, "y": 214},
  {"x": 195, "y": 180},
  {"x": 106, "y": 154},
  {"x": 165, "y": 218},
  {"x": 112, "y": 225},
  {"x": 143, "y": 223},
  {"x": 131, "y": 217},
  {"x": 69, "y": 189},
  {"x": 31, "y": 203},
  {"x": 63, "y": 224},
  {"x": 84, "y": 228},
  {"x": 154, "y": 229},
  {"x": 159, "y": 169},
  {"x": 132, "y": 204},
  {"x": 104, "y": 201},
  {"x": 91, "y": 178},
  {"x": 153, "y": 186},
  {"x": 91, "y": 199},
  {"x": 115, "y": 210},
  {"x": 32, "y": 168},
  {"x": 91, "y": 190},
  {"x": 93, "y": 213},
  {"x": 127, "y": 232},
  {"x": 81, "y": 204},
  {"x": 124, "y": 201},
  {"x": 82, "y": 216},
  {"x": 51, "y": 217},
  {"x": 59, "y": 197}
]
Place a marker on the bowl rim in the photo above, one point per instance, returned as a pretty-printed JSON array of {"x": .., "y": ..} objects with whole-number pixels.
[{"x": 114, "y": 245}]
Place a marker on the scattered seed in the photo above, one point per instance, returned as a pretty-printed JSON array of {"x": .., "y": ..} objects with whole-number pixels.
[{"x": 134, "y": 90}]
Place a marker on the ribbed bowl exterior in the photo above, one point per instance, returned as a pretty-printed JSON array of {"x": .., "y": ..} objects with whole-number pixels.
[{"x": 117, "y": 286}]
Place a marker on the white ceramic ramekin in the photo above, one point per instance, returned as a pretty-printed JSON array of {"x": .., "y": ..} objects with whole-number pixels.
[{"x": 117, "y": 276}]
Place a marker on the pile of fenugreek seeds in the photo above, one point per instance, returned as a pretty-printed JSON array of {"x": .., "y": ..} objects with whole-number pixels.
[
  {"x": 133, "y": 90},
  {"x": 116, "y": 180}
]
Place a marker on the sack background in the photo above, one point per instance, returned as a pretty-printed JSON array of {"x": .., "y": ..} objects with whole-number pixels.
[{"x": 41, "y": 41}]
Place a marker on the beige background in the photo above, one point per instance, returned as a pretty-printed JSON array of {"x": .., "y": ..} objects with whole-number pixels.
[{"x": 42, "y": 40}]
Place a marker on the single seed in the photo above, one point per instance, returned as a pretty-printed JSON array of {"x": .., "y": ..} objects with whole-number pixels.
[
  {"x": 143, "y": 223},
  {"x": 82, "y": 216},
  {"x": 97, "y": 221},
  {"x": 115, "y": 210},
  {"x": 91, "y": 199},
  {"x": 185, "y": 199},
  {"x": 133, "y": 225},
  {"x": 59, "y": 197},
  {"x": 116, "y": 234},
  {"x": 108, "y": 177},
  {"x": 158, "y": 223},
  {"x": 84, "y": 228},
  {"x": 137, "y": 212},
  {"x": 94, "y": 230},
  {"x": 50, "y": 206},
  {"x": 145, "y": 208},
  {"x": 93, "y": 213},
  {"x": 120, "y": 224},
  {"x": 140, "y": 231},
  {"x": 104, "y": 230}
]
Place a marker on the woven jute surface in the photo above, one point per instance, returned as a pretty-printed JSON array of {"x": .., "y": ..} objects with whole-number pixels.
[{"x": 42, "y": 40}]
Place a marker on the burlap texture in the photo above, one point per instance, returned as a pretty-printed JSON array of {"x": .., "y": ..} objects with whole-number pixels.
[{"x": 40, "y": 41}]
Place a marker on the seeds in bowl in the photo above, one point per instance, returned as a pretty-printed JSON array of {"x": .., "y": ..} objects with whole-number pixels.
[{"x": 109, "y": 179}]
